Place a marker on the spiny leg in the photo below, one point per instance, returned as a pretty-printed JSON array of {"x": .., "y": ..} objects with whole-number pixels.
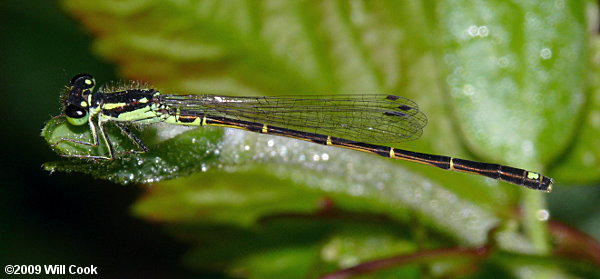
[
  {"x": 138, "y": 142},
  {"x": 95, "y": 143},
  {"x": 108, "y": 142},
  {"x": 106, "y": 138}
]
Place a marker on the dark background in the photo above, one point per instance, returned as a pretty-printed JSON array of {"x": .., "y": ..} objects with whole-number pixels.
[
  {"x": 62, "y": 218},
  {"x": 71, "y": 218}
]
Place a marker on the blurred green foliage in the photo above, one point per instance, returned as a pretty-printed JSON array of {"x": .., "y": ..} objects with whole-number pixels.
[{"x": 512, "y": 83}]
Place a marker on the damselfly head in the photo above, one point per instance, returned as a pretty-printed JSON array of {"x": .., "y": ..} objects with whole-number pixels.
[{"x": 75, "y": 101}]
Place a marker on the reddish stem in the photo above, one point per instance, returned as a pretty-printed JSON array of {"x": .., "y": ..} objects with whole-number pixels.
[{"x": 570, "y": 241}]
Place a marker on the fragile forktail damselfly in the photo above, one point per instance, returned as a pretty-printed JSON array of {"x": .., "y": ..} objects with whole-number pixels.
[{"x": 356, "y": 122}]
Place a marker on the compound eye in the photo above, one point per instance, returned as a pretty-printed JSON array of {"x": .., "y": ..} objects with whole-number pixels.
[
  {"x": 83, "y": 81},
  {"x": 75, "y": 111},
  {"x": 76, "y": 115}
]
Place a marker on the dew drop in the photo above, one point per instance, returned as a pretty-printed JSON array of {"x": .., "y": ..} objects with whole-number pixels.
[
  {"x": 546, "y": 53},
  {"x": 503, "y": 62},
  {"x": 472, "y": 31},
  {"x": 483, "y": 31},
  {"x": 478, "y": 31},
  {"x": 542, "y": 215}
]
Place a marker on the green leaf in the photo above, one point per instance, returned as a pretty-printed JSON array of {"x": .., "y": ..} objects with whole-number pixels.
[
  {"x": 168, "y": 158},
  {"x": 302, "y": 245},
  {"x": 515, "y": 74},
  {"x": 581, "y": 163},
  {"x": 306, "y": 171}
]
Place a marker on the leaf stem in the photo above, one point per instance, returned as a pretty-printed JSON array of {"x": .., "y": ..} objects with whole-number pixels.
[{"x": 535, "y": 229}]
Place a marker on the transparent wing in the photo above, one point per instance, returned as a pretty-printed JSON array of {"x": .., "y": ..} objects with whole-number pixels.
[{"x": 365, "y": 118}]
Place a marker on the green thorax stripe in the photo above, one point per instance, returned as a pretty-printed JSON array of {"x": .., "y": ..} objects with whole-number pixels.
[{"x": 127, "y": 101}]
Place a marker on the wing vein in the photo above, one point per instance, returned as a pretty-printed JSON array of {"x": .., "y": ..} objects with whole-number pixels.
[{"x": 365, "y": 118}]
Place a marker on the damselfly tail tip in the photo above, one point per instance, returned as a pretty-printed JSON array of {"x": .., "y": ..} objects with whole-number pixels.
[
  {"x": 536, "y": 181},
  {"x": 547, "y": 183}
]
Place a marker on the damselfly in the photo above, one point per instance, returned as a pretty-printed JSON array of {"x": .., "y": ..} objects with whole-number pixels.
[{"x": 356, "y": 122}]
